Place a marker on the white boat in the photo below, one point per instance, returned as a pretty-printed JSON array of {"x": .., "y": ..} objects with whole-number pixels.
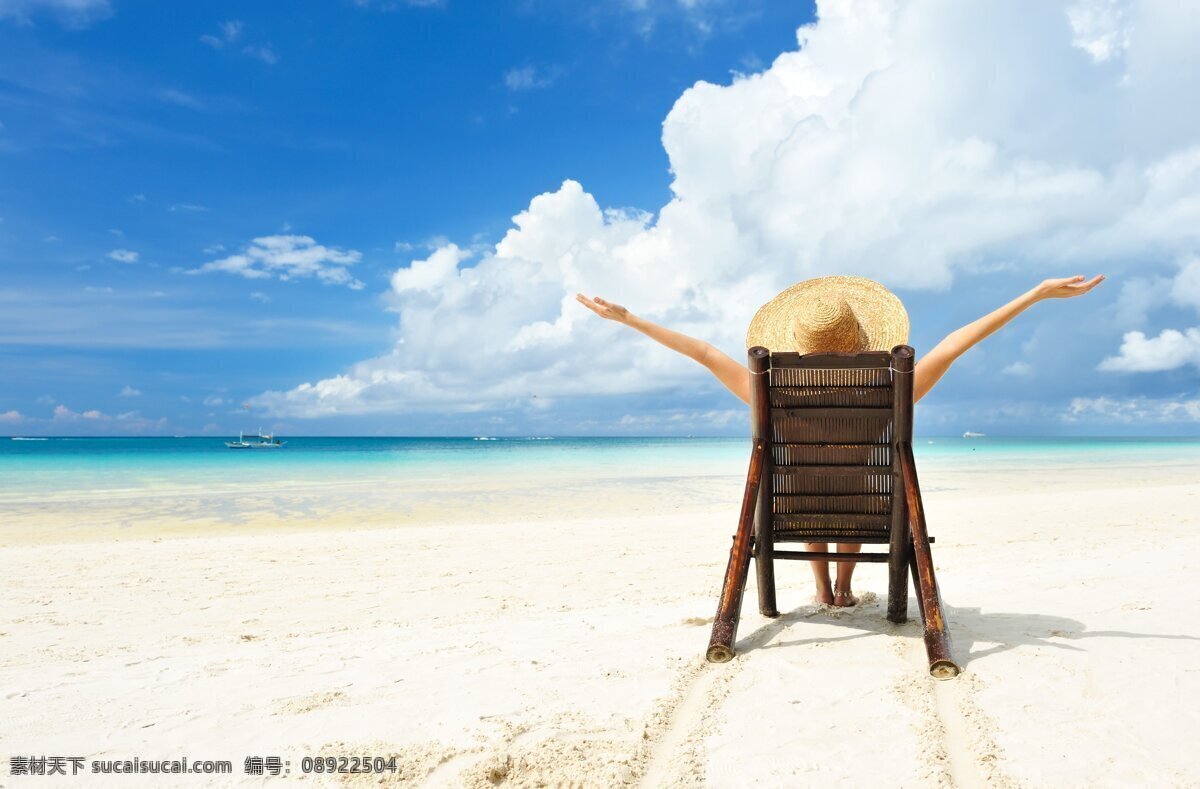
[
  {"x": 969, "y": 434},
  {"x": 257, "y": 441}
]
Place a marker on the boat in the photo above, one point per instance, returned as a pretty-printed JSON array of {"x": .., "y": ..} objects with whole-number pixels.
[
  {"x": 970, "y": 434},
  {"x": 258, "y": 441}
]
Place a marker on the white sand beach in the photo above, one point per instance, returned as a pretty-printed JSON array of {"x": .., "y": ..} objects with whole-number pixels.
[{"x": 560, "y": 641}]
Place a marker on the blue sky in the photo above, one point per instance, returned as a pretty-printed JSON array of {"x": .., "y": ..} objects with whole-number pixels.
[{"x": 144, "y": 147}]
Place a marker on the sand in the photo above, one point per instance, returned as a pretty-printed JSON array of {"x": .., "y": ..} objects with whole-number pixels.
[{"x": 562, "y": 645}]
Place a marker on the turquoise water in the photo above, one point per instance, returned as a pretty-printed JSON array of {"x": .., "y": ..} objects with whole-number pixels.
[{"x": 131, "y": 463}]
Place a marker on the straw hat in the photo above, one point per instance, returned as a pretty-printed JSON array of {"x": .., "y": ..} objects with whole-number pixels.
[{"x": 831, "y": 315}]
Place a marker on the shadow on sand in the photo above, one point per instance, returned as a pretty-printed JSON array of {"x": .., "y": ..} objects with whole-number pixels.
[{"x": 975, "y": 634}]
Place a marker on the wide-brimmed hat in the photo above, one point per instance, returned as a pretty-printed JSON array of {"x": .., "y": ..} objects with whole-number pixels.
[{"x": 831, "y": 315}]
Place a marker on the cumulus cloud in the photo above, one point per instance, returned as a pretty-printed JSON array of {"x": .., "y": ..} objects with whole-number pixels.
[
  {"x": 1185, "y": 287},
  {"x": 70, "y": 13},
  {"x": 1141, "y": 296},
  {"x": 264, "y": 52},
  {"x": 230, "y": 32},
  {"x": 1170, "y": 350},
  {"x": 129, "y": 391},
  {"x": 97, "y": 422},
  {"x": 530, "y": 78},
  {"x": 124, "y": 256},
  {"x": 288, "y": 257},
  {"x": 11, "y": 416},
  {"x": 1018, "y": 368},
  {"x": 703, "y": 17},
  {"x": 1132, "y": 410},
  {"x": 1100, "y": 27},
  {"x": 904, "y": 142},
  {"x": 64, "y": 414}
]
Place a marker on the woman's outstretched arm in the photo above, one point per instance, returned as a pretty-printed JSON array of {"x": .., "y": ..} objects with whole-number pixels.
[
  {"x": 735, "y": 376},
  {"x": 933, "y": 365}
]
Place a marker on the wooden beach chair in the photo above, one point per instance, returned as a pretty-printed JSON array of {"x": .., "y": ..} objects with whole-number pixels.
[{"x": 832, "y": 462}]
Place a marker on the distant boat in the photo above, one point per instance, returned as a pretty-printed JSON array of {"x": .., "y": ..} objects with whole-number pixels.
[
  {"x": 257, "y": 441},
  {"x": 969, "y": 434}
]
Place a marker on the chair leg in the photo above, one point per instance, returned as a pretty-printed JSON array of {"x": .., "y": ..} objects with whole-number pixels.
[
  {"x": 916, "y": 584},
  {"x": 937, "y": 636},
  {"x": 764, "y": 565},
  {"x": 898, "y": 568},
  {"x": 729, "y": 608},
  {"x": 729, "y": 612}
]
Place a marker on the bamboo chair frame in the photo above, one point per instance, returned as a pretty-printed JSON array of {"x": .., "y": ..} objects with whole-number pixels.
[{"x": 832, "y": 461}]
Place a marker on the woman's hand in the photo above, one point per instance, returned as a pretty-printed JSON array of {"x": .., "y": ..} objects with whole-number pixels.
[
  {"x": 1066, "y": 287},
  {"x": 605, "y": 309}
]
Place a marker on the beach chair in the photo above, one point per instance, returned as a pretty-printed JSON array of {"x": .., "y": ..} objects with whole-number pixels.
[{"x": 832, "y": 462}]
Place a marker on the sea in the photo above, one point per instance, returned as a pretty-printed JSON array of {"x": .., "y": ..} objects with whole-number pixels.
[{"x": 32, "y": 465}]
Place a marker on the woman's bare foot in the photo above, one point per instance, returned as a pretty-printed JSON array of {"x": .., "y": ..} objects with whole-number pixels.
[
  {"x": 844, "y": 598},
  {"x": 824, "y": 595}
]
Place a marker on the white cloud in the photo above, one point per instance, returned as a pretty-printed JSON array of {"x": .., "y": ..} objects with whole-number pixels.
[
  {"x": 212, "y": 401},
  {"x": 187, "y": 208},
  {"x": 1018, "y": 368},
  {"x": 530, "y": 78},
  {"x": 687, "y": 420},
  {"x": 903, "y": 142},
  {"x": 1185, "y": 287},
  {"x": 124, "y": 256},
  {"x": 64, "y": 414},
  {"x": 179, "y": 98},
  {"x": 70, "y": 13},
  {"x": 230, "y": 32},
  {"x": 289, "y": 257},
  {"x": 11, "y": 416},
  {"x": 700, "y": 16},
  {"x": 1141, "y": 296},
  {"x": 129, "y": 391},
  {"x": 1100, "y": 27},
  {"x": 97, "y": 422},
  {"x": 1170, "y": 350},
  {"x": 264, "y": 52},
  {"x": 1134, "y": 409}
]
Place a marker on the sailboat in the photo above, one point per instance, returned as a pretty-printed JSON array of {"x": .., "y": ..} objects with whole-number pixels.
[{"x": 258, "y": 441}]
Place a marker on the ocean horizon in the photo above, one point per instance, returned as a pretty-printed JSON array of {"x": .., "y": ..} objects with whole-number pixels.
[{"x": 41, "y": 463}]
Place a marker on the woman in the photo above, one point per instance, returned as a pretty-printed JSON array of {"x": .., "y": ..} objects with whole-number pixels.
[{"x": 881, "y": 324}]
